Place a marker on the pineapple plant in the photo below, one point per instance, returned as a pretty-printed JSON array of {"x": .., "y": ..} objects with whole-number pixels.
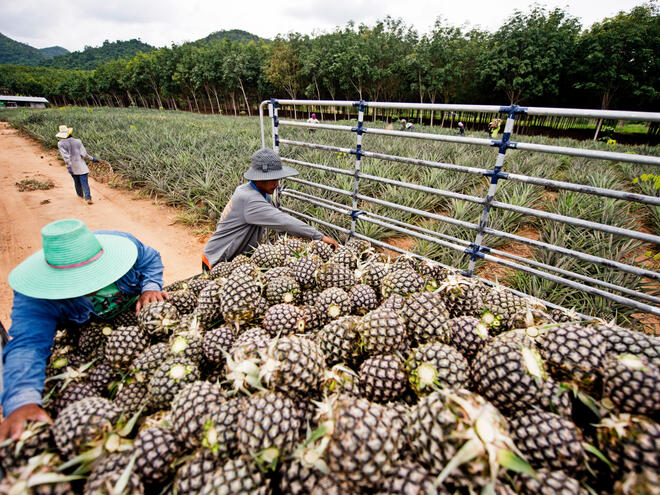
[{"x": 342, "y": 380}]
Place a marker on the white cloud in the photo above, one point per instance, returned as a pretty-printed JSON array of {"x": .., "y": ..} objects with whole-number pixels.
[{"x": 79, "y": 23}]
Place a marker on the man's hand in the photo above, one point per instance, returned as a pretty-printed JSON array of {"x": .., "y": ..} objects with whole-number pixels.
[
  {"x": 95, "y": 160},
  {"x": 149, "y": 297},
  {"x": 331, "y": 241},
  {"x": 14, "y": 424}
]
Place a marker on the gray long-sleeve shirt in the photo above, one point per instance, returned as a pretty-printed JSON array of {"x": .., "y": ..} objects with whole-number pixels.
[
  {"x": 74, "y": 153},
  {"x": 243, "y": 221}
]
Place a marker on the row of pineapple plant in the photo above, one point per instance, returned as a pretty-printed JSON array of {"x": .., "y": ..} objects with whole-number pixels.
[{"x": 307, "y": 370}]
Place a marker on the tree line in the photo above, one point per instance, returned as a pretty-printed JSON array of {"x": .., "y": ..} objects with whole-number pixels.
[{"x": 541, "y": 57}]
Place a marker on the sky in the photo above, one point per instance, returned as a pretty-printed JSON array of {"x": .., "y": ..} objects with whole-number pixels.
[{"x": 74, "y": 24}]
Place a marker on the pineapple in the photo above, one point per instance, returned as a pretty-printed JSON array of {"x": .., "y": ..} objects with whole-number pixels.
[
  {"x": 344, "y": 256},
  {"x": 358, "y": 246},
  {"x": 411, "y": 478},
  {"x": 132, "y": 396},
  {"x": 383, "y": 378},
  {"x": 437, "y": 365},
  {"x": 632, "y": 384},
  {"x": 548, "y": 440},
  {"x": 382, "y": 331},
  {"x": 335, "y": 275},
  {"x": 298, "y": 479},
  {"x": 239, "y": 298},
  {"x": 631, "y": 442},
  {"x": 468, "y": 334},
  {"x": 333, "y": 303},
  {"x": 304, "y": 270},
  {"x": 268, "y": 426},
  {"x": 197, "y": 285},
  {"x": 217, "y": 342},
  {"x": 276, "y": 272},
  {"x": 283, "y": 290},
  {"x": 106, "y": 475},
  {"x": 268, "y": 256},
  {"x": 124, "y": 344},
  {"x": 238, "y": 476},
  {"x": 147, "y": 362},
  {"x": 126, "y": 319},
  {"x": 402, "y": 281},
  {"x": 156, "y": 449},
  {"x": 102, "y": 377},
  {"x": 293, "y": 365},
  {"x": 284, "y": 319},
  {"x": 197, "y": 471},
  {"x": 363, "y": 441},
  {"x": 83, "y": 422},
  {"x": 185, "y": 301},
  {"x": 250, "y": 343},
  {"x": 623, "y": 341},
  {"x": 426, "y": 318},
  {"x": 339, "y": 339},
  {"x": 159, "y": 318},
  {"x": 448, "y": 421},
  {"x": 462, "y": 295},
  {"x": 314, "y": 318},
  {"x": 372, "y": 274},
  {"x": 342, "y": 380},
  {"x": 208, "y": 303},
  {"x": 220, "y": 431},
  {"x": 168, "y": 380},
  {"x": 187, "y": 345},
  {"x": 191, "y": 408},
  {"x": 35, "y": 439},
  {"x": 320, "y": 249},
  {"x": 91, "y": 341},
  {"x": 39, "y": 476},
  {"x": 573, "y": 352},
  {"x": 547, "y": 482},
  {"x": 363, "y": 299},
  {"x": 503, "y": 305}
]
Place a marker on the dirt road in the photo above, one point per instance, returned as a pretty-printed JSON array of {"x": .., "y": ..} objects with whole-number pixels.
[{"x": 22, "y": 214}]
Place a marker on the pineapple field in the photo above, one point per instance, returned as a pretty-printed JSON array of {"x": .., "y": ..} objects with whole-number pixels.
[
  {"x": 194, "y": 162},
  {"x": 305, "y": 370}
]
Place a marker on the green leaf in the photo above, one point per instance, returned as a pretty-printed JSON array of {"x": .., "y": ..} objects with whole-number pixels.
[
  {"x": 511, "y": 461},
  {"x": 593, "y": 450}
]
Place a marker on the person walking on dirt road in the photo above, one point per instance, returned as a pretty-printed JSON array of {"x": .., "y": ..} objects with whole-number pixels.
[
  {"x": 250, "y": 210},
  {"x": 76, "y": 277},
  {"x": 74, "y": 154}
]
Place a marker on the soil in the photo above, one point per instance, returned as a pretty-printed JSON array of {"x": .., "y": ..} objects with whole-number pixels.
[{"x": 22, "y": 214}]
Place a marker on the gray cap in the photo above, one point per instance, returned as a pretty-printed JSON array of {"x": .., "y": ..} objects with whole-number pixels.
[{"x": 267, "y": 165}]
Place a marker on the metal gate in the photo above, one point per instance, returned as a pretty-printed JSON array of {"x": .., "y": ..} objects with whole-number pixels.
[{"x": 473, "y": 248}]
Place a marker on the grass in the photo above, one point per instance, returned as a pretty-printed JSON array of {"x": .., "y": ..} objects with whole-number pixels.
[{"x": 194, "y": 162}]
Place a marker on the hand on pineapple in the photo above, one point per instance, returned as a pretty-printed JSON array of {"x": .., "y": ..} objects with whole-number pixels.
[
  {"x": 149, "y": 297},
  {"x": 331, "y": 241},
  {"x": 14, "y": 424}
]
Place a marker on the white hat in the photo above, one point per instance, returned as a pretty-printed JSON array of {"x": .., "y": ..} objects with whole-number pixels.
[{"x": 65, "y": 132}]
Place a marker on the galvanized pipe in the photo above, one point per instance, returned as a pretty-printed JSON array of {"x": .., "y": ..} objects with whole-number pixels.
[
  {"x": 498, "y": 233},
  {"x": 337, "y": 207}
]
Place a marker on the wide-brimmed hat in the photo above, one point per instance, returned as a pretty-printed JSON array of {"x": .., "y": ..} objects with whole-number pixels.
[
  {"x": 64, "y": 132},
  {"x": 267, "y": 165},
  {"x": 73, "y": 262}
]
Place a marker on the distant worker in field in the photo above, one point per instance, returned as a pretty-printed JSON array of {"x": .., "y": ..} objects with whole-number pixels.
[
  {"x": 74, "y": 155},
  {"x": 250, "y": 210},
  {"x": 494, "y": 127},
  {"x": 79, "y": 275},
  {"x": 312, "y": 120},
  {"x": 461, "y": 128},
  {"x": 406, "y": 126}
]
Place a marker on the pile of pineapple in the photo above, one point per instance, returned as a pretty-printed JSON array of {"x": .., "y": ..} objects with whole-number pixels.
[{"x": 307, "y": 370}]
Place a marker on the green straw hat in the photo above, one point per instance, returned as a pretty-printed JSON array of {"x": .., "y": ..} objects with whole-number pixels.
[{"x": 74, "y": 262}]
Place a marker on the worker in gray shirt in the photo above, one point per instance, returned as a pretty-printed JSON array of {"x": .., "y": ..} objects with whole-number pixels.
[
  {"x": 74, "y": 155},
  {"x": 250, "y": 211}
]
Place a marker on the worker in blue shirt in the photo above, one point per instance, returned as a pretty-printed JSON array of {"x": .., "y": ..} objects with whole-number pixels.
[{"x": 78, "y": 275}]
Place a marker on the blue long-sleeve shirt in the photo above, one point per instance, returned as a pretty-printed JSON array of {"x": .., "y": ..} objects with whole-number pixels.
[{"x": 33, "y": 324}]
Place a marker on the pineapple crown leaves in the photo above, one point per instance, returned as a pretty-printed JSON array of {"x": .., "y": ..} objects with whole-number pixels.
[
  {"x": 30, "y": 478},
  {"x": 267, "y": 459},
  {"x": 72, "y": 374},
  {"x": 211, "y": 439},
  {"x": 310, "y": 452},
  {"x": 31, "y": 429},
  {"x": 243, "y": 373},
  {"x": 122, "y": 483},
  {"x": 339, "y": 373},
  {"x": 485, "y": 437}
]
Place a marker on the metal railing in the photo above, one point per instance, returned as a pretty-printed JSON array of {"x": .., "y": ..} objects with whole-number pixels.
[{"x": 473, "y": 248}]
